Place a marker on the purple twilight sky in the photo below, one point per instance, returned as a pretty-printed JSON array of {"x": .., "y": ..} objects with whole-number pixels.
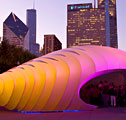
[{"x": 52, "y": 17}]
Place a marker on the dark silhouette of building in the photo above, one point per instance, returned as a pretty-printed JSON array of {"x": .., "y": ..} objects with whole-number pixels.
[
  {"x": 16, "y": 32},
  {"x": 51, "y": 43},
  {"x": 92, "y": 26},
  {"x": 0, "y": 39},
  {"x": 31, "y": 23}
]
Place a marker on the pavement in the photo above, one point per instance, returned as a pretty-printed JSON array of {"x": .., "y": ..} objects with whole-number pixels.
[{"x": 97, "y": 114}]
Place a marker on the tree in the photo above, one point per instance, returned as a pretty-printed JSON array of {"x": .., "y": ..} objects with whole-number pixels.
[{"x": 11, "y": 56}]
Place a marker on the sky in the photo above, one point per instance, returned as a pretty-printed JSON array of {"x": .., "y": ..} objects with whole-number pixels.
[{"x": 52, "y": 17}]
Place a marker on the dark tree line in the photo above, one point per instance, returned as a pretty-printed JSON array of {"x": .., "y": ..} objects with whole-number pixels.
[{"x": 11, "y": 56}]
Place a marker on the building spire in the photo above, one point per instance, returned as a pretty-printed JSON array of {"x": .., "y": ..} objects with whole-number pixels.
[
  {"x": 94, "y": 3},
  {"x": 33, "y": 4}
]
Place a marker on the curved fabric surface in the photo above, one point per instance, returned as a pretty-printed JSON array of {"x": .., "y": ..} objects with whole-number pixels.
[{"x": 52, "y": 82}]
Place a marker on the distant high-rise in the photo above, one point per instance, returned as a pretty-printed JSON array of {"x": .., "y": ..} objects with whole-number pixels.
[
  {"x": 31, "y": 23},
  {"x": 51, "y": 43},
  {"x": 111, "y": 21},
  {"x": 16, "y": 32},
  {"x": 92, "y": 26}
]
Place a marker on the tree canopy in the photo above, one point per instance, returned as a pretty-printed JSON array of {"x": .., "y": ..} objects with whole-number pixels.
[{"x": 11, "y": 56}]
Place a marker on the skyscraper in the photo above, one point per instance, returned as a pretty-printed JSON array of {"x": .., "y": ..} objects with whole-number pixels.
[
  {"x": 16, "y": 32},
  {"x": 111, "y": 21},
  {"x": 96, "y": 26},
  {"x": 31, "y": 23},
  {"x": 51, "y": 43}
]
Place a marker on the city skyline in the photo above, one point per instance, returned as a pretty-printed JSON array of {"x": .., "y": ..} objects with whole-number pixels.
[{"x": 52, "y": 18}]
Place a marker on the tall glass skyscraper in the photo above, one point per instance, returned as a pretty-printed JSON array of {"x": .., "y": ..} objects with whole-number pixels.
[
  {"x": 92, "y": 26},
  {"x": 31, "y": 23},
  {"x": 111, "y": 21},
  {"x": 16, "y": 32}
]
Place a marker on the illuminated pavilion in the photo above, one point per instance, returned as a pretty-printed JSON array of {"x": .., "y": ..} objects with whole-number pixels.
[{"x": 53, "y": 82}]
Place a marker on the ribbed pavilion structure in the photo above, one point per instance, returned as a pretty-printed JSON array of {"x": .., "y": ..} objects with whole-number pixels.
[{"x": 52, "y": 82}]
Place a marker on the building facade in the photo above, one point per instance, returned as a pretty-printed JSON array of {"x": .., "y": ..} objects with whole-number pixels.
[
  {"x": 0, "y": 39},
  {"x": 111, "y": 21},
  {"x": 51, "y": 43},
  {"x": 16, "y": 32},
  {"x": 31, "y": 23},
  {"x": 91, "y": 26}
]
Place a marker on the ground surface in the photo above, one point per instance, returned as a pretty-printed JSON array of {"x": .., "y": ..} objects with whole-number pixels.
[{"x": 98, "y": 114}]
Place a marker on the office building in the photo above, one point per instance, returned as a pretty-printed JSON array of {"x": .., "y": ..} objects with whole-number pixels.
[
  {"x": 51, "y": 43},
  {"x": 31, "y": 23},
  {"x": 92, "y": 26},
  {"x": 16, "y": 32},
  {"x": 111, "y": 21}
]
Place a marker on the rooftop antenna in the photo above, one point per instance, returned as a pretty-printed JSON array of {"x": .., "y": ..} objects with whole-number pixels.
[
  {"x": 94, "y": 4},
  {"x": 33, "y": 4}
]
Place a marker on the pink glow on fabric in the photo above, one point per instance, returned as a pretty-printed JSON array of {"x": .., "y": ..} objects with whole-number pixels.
[{"x": 93, "y": 76}]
